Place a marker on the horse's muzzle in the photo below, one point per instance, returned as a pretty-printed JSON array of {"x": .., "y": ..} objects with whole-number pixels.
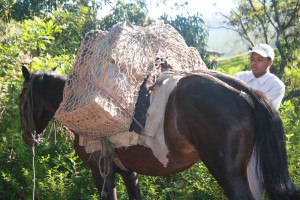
[{"x": 29, "y": 140}]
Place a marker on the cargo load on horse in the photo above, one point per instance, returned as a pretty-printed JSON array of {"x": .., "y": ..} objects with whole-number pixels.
[{"x": 110, "y": 67}]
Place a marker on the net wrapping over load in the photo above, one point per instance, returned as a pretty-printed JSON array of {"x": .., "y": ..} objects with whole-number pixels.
[{"x": 102, "y": 87}]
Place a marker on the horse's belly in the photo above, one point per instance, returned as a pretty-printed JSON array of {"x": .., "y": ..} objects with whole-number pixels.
[{"x": 140, "y": 159}]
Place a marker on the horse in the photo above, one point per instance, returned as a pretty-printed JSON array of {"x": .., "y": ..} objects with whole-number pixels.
[
  {"x": 207, "y": 118},
  {"x": 34, "y": 98}
]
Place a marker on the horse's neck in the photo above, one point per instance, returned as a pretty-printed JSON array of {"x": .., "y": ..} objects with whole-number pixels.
[{"x": 55, "y": 94}]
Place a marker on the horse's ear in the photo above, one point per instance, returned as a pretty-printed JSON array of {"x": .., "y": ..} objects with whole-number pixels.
[
  {"x": 54, "y": 68},
  {"x": 26, "y": 73}
]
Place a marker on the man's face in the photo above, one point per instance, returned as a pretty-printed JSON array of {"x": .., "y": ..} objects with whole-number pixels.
[{"x": 259, "y": 65}]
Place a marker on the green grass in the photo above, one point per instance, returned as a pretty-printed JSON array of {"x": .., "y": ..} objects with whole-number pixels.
[{"x": 231, "y": 65}]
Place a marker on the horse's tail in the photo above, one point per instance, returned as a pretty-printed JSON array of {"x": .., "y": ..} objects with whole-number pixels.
[{"x": 270, "y": 150}]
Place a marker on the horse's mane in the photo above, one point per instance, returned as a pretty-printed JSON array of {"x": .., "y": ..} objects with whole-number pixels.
[
  {"x": 41, "y": 76},
  {"x": 51, "y": 73},
  {"x": 48, "y": 86}
]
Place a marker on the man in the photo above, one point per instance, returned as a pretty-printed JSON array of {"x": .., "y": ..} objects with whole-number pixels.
[{"x": 260, "y": 78}]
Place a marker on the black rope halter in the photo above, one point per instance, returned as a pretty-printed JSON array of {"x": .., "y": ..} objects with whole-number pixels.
[{"x": 30, "y": 119}]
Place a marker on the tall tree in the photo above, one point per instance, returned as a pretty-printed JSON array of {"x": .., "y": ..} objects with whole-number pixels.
[
  {"x": 135, "y": 12},
  {"x": 20, "y": 10},
  {"x": 191, "y": 29},
  {"x": 268, "y": 21}
]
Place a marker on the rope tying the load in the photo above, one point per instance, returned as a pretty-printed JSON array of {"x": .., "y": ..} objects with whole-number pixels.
[{"x": 105, "y": 162}]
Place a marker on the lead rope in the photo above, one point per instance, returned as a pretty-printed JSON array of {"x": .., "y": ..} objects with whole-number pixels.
[
  {"x": 33, "y": 169},
  {"x": 33, "y": 135}
]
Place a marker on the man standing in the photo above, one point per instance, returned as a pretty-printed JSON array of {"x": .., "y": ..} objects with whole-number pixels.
[{"x": 260, "y": 78}]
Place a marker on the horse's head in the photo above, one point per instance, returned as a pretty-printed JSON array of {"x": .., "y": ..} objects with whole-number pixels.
[{"x": 40, "y": 97}]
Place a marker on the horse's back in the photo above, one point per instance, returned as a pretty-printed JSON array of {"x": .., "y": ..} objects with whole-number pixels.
[
  {"x": 210, "y": 116},
  {"x": 201, "y": 103}
]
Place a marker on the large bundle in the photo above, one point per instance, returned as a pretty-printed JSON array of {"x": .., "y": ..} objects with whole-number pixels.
[{"x": 102, "y": 87}]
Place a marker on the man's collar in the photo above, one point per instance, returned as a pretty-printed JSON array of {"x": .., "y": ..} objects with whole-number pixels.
[{"x": 261, "y": 80}]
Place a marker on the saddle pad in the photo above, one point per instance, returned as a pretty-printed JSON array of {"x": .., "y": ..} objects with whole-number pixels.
[{"x": 154, "y": 127}]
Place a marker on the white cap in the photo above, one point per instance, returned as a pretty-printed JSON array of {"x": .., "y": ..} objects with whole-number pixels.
[{"x": 264, "y": 50}]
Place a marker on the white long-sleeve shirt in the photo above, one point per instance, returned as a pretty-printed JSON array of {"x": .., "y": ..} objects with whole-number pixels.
[{"x": 270, "y": 84}]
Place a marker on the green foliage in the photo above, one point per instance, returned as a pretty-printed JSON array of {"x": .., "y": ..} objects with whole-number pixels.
[
  {"x": 291, "y": 119},
  {"x": 58, "y": 169},
  {"x": 292, "y": 78},
  {"x": 135, "y": 12},
  {"x": 20, "y": 10},
  {"x": 60, "y": 173},
  {"x": 37, "y": 36},
  {"x": 70, "y": 28},
  {"x": 194, "y": 183}
]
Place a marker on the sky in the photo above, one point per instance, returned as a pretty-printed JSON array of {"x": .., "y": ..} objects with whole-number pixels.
[{"x": 205, "y": 7}]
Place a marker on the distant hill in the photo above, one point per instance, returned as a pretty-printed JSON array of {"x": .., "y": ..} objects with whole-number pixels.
[
  {"x": 231, "y": 65},
  {"x": 222, "y": 40}
]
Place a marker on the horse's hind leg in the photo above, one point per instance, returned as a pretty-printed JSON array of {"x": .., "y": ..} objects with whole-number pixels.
[
  {"x": 233, "y": 180},
  {"x": 227, "y": 161},
  {"x": 253, "y": 178},
  {"x": 231, "y": 173},
  {"x": 132, "y": 184},
  {"x": 239, "y": 189}
]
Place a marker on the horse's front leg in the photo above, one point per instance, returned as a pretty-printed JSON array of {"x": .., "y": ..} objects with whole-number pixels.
[
  {"x": 104, "y": 178},
  {"x": 131, "y": 182},
  {"x": 109, "y": 190},
  {"x": 92, "y": 160}
]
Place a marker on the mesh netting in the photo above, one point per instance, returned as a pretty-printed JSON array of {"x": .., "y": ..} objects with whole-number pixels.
[{"x": 102, "y": 87}]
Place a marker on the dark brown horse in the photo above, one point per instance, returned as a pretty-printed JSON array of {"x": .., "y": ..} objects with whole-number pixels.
[{"x": 206, "y": 118}]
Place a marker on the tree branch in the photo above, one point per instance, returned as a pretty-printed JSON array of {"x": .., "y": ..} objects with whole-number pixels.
[
  {"x": 242, "y": 33},
  {"x": 261, "y": 20},
  {"x": 291, "y": 95},
  {"x": 293, "y": 15}
]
